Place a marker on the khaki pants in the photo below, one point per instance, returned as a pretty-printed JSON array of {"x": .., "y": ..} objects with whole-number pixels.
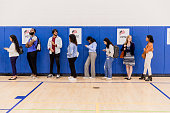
[{"x": 90, "y": 60}]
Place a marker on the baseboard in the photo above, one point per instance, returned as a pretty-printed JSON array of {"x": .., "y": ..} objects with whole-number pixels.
[{"x": 80, "y": 74}]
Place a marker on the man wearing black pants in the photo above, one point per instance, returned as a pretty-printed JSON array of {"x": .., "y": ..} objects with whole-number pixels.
[
  {"x": 32, "y": 52},
  {"x": 57, "y": 58},
  {"x": 54, "y": 46},
  {"x": 32, "y": 59}
]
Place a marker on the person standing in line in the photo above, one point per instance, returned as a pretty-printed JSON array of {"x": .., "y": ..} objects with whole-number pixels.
[
  {"x": 32, "y": 52},
  {"x": 13, "y": 54},
  {"x": 72, "y": 55},
  {"x": 109, "y": 59},
  {"x": 54, "y": 45},
  {"x": 91, "y": 58},
  {"x": 129, "y": 59},
  {"x": 149, "y": 55}
]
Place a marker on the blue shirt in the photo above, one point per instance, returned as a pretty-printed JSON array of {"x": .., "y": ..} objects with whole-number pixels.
[
  {"x": 72, "y": 50},
  {"x": 34, "y": 46},
  {"x": 92, "y": 47}
]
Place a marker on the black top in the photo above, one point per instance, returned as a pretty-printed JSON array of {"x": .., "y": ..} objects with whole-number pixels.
[{"x": 132, "y": 49}]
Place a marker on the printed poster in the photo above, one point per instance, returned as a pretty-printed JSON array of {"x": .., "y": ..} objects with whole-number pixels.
[
  {"x": 122, "y": 35},
  {"x": 78, "y": 33},
  {"x": 168, "y": 36},
  {"x": 25, "y": 35}
]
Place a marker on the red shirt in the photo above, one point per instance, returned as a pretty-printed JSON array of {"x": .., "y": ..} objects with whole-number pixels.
[{"x": 53, "y": 46}]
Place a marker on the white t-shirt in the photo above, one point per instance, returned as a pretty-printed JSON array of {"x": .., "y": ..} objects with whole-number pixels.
[
  {"x": 12, "y": 51},
  {"x": 110, "y": 51}
]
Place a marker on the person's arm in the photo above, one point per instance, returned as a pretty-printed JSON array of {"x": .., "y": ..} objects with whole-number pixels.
[
  {"x": 93, "y": 48},
  {"x": 48, "y": 44},
  {"x": 70, "y": 50},
  {"x": 111, "y": 49},
  {"x": 133, "y": 47},
  {"x": 11, "y": 49},
  {"x": 122, "y": 49},
  {"x": 29, "y": 44},
  {"x": 149, "y": 48},
  {"x": 59, "y": 45}
]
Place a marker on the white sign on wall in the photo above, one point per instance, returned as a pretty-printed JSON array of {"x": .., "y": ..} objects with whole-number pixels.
[
  {"x": 25, "y": 35},
  {"x": 168, "y": 36},
  {"x": 122, "y": 33},
  {"x": 78, "y": 33}
]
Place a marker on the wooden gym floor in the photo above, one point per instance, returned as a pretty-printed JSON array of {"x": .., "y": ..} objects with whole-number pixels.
[{"x": 52, "y": 95}]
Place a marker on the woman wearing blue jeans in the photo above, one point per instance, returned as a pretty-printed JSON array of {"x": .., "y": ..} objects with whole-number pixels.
[{"x": 109, "y": 59}]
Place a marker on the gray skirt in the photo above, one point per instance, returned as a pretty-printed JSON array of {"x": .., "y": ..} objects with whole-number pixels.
[{"x": 129, "y": 59}]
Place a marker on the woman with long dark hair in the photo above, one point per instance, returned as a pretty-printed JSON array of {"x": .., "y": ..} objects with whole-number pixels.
[
  {"x": 72, "y": 55},
  {"x": 149, "y": 55},
  {"x": 129, "y": 59},
  {"x": 13, "y": 54},
  {"x": 91, "y": 58},
  {"x": 109, "y": 59}
]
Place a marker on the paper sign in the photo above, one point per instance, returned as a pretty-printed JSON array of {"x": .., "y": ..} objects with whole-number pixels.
[{"x": 122, "y": 35}]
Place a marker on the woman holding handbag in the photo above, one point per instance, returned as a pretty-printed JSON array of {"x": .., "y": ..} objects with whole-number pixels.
[
  {"x": 129, "y": 60},
  {"x": 149, "y": 55}
]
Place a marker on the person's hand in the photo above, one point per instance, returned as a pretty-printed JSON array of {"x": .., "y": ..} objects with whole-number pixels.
[
  {"x": 86, "y": 45},
  {"x": 51, "y": 50},
  {"x": 124, "y": 45},
  {"x": 53, "y": 43},
  {"x": 124, "y": 48},
  {"x": 104, "y": 50},
  {"x": 6, "y": 48}
]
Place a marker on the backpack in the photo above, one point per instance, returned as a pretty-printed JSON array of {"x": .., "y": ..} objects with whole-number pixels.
[
  {"x": 116, "y": 51},
  {"x": 21, "y": 51},
  {"x": 38, "y": 47}
]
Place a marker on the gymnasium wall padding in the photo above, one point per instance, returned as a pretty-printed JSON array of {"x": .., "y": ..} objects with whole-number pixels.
[{"x": 160, "y": 63}]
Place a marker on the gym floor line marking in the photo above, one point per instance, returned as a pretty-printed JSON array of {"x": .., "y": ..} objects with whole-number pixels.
[
  {"x": 85, "y": 110},
  {"x": 153, "y": 104},
  {"x": 86, "y": 82},
  {"x": 160, "y": 91},
  {"x": 24, "y": 98},
  {"x": 4, "y": 109},
  {"x": 97, "y": 108}
]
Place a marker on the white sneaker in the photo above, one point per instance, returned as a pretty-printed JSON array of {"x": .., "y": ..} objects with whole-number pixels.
[
  {"x": 58, "y": 75},
  {"x": 34, "y": 77},
  {"x": 91, "y": 77},
  {"x": 85, "y": 77},
  {"x": 72, "y": 79},
  {"x": 104, "y": 78},
  {"x": 50, "y": 75},
  {"x": 109, "y": 79}
]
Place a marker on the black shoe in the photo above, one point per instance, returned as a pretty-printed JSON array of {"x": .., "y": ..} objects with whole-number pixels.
[
  {"x": 50, "y": 75},
  {"x": 12, "y": 78},
  {"x": 58, "y": 76},
  {"x": 129, "y": 78},
  {"x": 149, "y": 78},
  {"x": 126, "y": 78},
  {"x": 142, "y": 77}
]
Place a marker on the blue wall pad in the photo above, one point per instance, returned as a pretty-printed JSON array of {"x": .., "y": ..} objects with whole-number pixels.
[{"x": 160, "y": 62}]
